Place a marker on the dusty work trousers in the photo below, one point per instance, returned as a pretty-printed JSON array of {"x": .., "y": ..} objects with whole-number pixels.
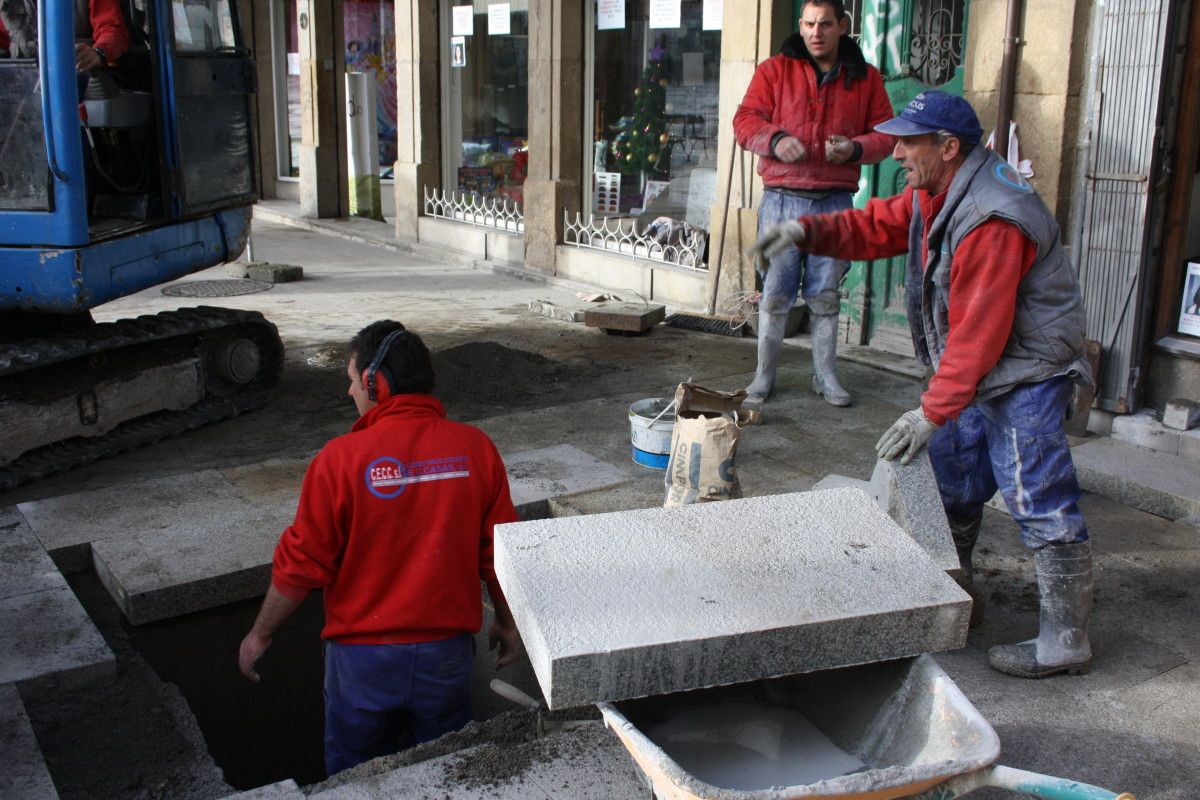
[
  {"x": 1015, "y": 442},
  {"x": 381, "y": 697},
  {"x": 818, "y": 278}
]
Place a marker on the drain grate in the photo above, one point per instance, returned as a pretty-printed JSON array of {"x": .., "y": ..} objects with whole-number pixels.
[{"x": 231, "y": 287}]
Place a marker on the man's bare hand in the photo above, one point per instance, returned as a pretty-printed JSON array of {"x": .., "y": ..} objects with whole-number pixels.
[
  {"x": 838, "y": 149},
  {"x": 506, "y": 641},
  {"x": 252, "y": 649},
  {"x": 86, "y": 58},
  {"x": 789, "y": 149}
]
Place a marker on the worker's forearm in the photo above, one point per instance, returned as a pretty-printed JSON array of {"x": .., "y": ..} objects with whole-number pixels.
[
  {"x": 500, "y": 604},
  {"x": 276, "y": 608}
]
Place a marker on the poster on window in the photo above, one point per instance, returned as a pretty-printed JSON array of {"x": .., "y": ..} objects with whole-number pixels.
[
  {"x": 610, "y": 15},
  {"x": 499, "y": 19},
  {"x": 369, "y": 32},
  {"x": 714, "y": 15},
  {"x": 665, "y": 13},
  {"x": 462, "y": 21},
  {"x": 1189, "y": 314},
  {"x": 458, "y": 51}
]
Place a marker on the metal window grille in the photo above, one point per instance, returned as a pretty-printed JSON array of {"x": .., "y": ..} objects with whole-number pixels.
[
  {"x": 499, "y": 213},
  {"x": 621, "y": 237},
  {"x": 936, "y": 48}
]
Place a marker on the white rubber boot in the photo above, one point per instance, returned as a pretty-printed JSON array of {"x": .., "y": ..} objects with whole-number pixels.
[
  {"x": 1064, "y": 574},
  {"x": 770, "y": 341},
  {"x": 824, "y": 351}
]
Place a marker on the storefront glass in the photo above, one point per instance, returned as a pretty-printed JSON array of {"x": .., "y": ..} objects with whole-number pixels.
[
  {"x": 369, "y": 28},
  {"x": 655, "y": 103},
  {"x": 486, "y": 48},
  {"x": 288, "y": 66}
]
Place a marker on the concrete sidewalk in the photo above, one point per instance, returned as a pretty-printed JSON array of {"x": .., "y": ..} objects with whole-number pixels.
[{"x": 532, "y": 382}]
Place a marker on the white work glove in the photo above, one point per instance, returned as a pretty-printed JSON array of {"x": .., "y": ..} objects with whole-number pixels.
[
  {"x": 906, "y": 436},
  {"x": 777, "y": 239}
]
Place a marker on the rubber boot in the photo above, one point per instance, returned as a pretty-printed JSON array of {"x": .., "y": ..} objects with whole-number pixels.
[
  {"x": 965, "y": 532},
  {"x": 1064, "y": 573},
  {"x": 824, "y": 352},
  {"x": 770, "y": 341}
]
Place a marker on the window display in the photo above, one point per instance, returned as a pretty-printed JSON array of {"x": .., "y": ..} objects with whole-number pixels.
[
  {"x": 487, "y": 97},
  {"x": 655, "y": 103},
  {"x": 369, "y": 28}
]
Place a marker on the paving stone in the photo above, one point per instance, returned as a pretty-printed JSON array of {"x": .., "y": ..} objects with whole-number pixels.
[
  {"x": 284, "y": 790},
  {"x": 24, "y": 776},
  {"x": 539, "y": 475},
  {"x": 274, "y": 273},
  {"x": 638, "y": 603},
  {"x": 1181, "y": 414},
  {"x": 67, "y": 525},
  {"x": 909, "y": 494},
  {"x": 24, "y": 565},
  {"x": 616, "y": 315},
  {"x": 1166, "y": 485},
  {"x": 47, "y": 635},
  {"x": 193, "y": 562},
  {"x": 1189, "y": 444}
]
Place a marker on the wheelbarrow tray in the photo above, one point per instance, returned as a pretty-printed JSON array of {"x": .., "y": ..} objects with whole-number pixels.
[{"x": 906, "y": 720}]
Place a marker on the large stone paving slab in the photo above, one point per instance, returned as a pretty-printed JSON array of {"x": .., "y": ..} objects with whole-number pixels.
[
  {"x": 638, "y": 603},
  {"x": 24, "y": 776},
  {"x": 24, "y": 565},
  {"x": 1162, "y": 484},
  {"x": 538, "y": 475},
  {"x": 47, "y": 634}
]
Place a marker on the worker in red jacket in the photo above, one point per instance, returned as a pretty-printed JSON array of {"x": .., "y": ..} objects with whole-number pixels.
[
  {"x": 809, "y": 115},
  {"x": 100, "y": 34},
  {"x": 394, "y": 524},
  {"x": 995, "y": 308}
]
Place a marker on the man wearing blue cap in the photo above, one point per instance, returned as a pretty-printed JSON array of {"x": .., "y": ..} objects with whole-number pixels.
[
  {"x": 994, "y": 306},
  {"x": 809, "y": 115}
]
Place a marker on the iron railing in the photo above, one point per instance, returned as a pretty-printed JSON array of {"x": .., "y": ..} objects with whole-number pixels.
[
  {"x": 498, "y": 213},
  {"x": 621, "y": 236}
]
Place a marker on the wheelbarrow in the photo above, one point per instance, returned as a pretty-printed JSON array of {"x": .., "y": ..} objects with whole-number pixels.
[{"x": 899, "y": 729}]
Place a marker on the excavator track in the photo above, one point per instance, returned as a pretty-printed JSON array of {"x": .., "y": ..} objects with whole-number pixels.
[{"x": 199, "y": 324}]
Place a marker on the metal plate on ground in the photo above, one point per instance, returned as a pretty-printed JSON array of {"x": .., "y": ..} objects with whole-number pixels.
[{"x": 216, "y": 288}]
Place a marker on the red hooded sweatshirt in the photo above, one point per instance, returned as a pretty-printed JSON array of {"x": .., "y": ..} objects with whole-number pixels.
[{"x": 395, "y": 524}]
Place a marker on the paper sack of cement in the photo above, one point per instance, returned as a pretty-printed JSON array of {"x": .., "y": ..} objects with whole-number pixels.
[{"x": 702, "y": 466}]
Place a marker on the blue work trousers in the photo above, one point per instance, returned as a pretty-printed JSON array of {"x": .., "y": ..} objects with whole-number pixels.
[
  {"x": 1015, "y": 442},
  {"x": 381, "y": 697},
  {"x": 820, "y": 277}
]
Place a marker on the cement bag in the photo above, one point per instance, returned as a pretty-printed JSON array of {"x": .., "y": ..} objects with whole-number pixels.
[{"x": 702, "y": 465}]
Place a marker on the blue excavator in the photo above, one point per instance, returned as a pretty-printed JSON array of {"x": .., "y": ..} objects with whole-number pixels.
[{"x": 113, "y": 180}]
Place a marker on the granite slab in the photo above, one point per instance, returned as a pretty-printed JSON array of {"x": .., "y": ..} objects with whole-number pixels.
[
  {"x": 25, "y": 776},
  {"x": 24, "y": 564},
  {"x": 1159, "y": 483},
  {"x": 637, "y": 603},
  {"x": 908, "y": 493},
  {"x": 47, "y": 635},
  {"x": 549, "y": 472}
]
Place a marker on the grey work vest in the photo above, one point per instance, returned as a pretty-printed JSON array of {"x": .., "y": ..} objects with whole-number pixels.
[{"x": 1047, "y": 335}]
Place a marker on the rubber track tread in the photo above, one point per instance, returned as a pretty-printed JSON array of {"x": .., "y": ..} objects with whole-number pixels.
[{"x": 24, "y": 356}]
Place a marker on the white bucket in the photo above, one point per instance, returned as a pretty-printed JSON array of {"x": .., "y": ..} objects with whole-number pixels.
[{"x": 651, "y": 437}]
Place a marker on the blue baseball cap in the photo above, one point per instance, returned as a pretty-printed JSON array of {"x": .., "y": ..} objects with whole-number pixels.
[{"x": 934, "y": 111}]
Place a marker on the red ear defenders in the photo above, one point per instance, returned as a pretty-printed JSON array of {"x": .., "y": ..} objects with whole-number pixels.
[{"x": 375, "y": 392}]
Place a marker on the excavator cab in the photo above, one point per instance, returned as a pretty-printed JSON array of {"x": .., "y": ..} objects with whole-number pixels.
[{"x": 114, "y": 181}]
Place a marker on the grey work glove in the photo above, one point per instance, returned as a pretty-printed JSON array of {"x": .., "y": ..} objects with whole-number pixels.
[
  {"x": 906, "y": 437},
  {"x": 777, "y": 239}
]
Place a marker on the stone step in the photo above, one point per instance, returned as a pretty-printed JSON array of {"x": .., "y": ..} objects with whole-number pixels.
[
  {"x": 175, "y": 545},
  {"x": 24, "y": 776},
  {"x": 46, "y": 635},
  {"x": 1144, "y": 430},
  {"x": 1154, "y": 481},
  {"x": 639, "y": 603}
]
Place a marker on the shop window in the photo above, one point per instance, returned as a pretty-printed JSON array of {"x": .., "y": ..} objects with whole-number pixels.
[
  {"x": 286, "y": 45},
  {"x": 486, "y": 131},
  {"x": 655, "y": 116},
  {"x": 369, "y": 31}
]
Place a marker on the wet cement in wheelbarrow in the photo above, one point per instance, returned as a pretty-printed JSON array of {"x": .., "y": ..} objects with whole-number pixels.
[{"x": 748, "y": 746}]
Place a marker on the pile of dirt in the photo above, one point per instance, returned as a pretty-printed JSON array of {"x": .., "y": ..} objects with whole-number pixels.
[{"x": 490, "y": 370}]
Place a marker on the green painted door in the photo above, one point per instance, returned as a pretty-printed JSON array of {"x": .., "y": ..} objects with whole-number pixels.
[{"x": 917, "y": 45}]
